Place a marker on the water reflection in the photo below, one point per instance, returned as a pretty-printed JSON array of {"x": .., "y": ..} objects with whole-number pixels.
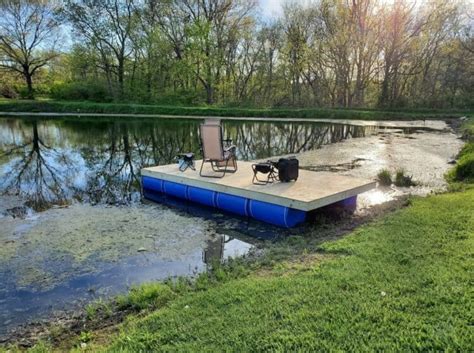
[
  {"x": 220, "y": 248},
  {"x": 39, "y": 171},
  {"x": 50, "y": 162},
  {"x": 19, "y": 305}
]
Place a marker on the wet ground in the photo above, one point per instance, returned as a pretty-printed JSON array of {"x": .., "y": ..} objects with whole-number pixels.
[
  {"x": 73, "y": 228},
  {"x": 423, "y": 155}
]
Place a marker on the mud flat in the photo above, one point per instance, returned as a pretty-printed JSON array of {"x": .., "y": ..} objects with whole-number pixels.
[{"x": 424, "y": 155}]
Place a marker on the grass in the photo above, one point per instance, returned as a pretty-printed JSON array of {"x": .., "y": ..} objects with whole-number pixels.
[
  {"x": 464, "y": 169},
  {"x": 399, "y": 284},
  {"x": 467, "y": 129},
  {"x": 50, "y": 106},
  {"x": 401, "y": 179},
  {"x": 146, "y": 296},
  {"x": 384, "y": 177}
]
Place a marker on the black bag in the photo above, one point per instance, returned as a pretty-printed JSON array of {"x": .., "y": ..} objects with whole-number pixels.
[{"x": 288, "y": 169}]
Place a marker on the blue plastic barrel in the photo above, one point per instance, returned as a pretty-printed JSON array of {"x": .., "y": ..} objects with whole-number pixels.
[
  {"x": 154, "y": 189},
  {"x": 202, "y": 196},
  {"x": 232, "y": 203},
  {"x": 175, "y": 189},
  {"x": 275, "y": 214},
  {"x": 349, "y": 203},
  {"x": 152, "y": 184}
]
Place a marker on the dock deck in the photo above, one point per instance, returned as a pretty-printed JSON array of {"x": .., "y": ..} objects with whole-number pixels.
[{"x": 312, "y": 190}]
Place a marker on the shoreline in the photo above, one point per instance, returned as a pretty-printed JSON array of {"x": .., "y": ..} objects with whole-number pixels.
[{"x": 434, "y": 124}]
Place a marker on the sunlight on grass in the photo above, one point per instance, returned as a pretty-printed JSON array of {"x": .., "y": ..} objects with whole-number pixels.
[{"x": 401, "y": 284}]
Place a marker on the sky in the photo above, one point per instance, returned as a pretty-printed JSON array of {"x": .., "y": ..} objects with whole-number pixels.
[{"x": 271, "y": 8}]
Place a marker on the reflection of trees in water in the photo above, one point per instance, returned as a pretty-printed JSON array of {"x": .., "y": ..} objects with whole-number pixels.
[
  {"x": 101, "y": 161},
  {"x": 37, "y": 171},
  {"x": 124, "y": 149},
  {"x": 263, "y": 140},
  {"x": 112, "y": 167},
  {"x": 214, "y": 250},
  {"x": 169, "y": 140}
]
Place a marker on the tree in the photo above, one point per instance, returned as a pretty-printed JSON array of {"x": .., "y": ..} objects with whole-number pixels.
[
  {"x": 214, "y": 28},
  {"x": 28, "y": 37},
  {"x": 346, "y": 53},
  {"x": 107, "y": 26}
]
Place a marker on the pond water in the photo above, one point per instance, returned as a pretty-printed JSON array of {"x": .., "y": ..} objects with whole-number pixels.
[{"x": 73, "y": 227}]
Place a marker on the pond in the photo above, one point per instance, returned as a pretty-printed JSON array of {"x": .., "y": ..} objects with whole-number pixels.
[{"x": 73, "y": 227}]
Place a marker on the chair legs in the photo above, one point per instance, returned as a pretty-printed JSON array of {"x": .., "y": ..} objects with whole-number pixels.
[
  {"x": 217, "y": 165},
  {"x": 270, "y": 178},
  {"x": 219, "y": 169}
]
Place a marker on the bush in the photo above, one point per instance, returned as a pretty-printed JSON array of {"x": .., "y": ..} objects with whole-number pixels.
[
  {"x": 8, "y": 91},
  {"x": 23, "y": 92},
  {"x": 87, "y": 91},
  {"x": 403, "y": 180},
  {"x": 384, "y": 177},
  {"x": 181, "y": 97},
  {"x": 464, "y": 169}
]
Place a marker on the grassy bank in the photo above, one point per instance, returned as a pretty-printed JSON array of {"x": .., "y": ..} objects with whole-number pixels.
[
  {"x": 399, "y": 284},
  {"x": 114, "y": 108},
  {"x": 464, "y": 169}
]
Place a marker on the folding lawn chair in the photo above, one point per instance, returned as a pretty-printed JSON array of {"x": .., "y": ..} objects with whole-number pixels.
[{"x": 217, "y": 151}]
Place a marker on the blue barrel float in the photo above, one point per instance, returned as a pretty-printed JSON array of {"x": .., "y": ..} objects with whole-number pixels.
[{"x": 263, "y": 211}]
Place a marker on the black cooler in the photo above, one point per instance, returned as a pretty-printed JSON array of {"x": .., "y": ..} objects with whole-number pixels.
[{"x": 288, "y": 169}]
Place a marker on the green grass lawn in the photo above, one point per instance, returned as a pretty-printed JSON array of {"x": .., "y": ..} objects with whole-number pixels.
[
  {"x": 50, "y": 106},
  {"x": 403, "y": 283}
]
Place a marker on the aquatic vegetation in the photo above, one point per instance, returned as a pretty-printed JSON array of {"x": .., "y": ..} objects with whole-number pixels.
[
  {"x": 79, "y": 239},
  {"x": 384, "y": 177},
  {"x": 402, "y": 179},
  {"x": 85, "y": 336},
  {"x": 91, "y": 311}
]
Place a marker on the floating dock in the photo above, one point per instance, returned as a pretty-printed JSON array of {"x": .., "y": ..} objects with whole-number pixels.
[{"x": 281, "y": 204}]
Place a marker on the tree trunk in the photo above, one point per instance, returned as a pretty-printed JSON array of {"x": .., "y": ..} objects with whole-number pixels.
[
  {"x": 209, "y": 94},
  {"x": 120, "y": 72},
  {"x": 384, "y": 94},
  {"x": 29, "y": 84}
]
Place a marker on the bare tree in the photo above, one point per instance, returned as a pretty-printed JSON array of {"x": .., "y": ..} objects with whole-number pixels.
[{"x": 28, "y": 37}]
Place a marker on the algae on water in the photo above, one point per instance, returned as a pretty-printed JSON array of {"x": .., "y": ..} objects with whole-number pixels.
[{"x": 63, "y": 242}]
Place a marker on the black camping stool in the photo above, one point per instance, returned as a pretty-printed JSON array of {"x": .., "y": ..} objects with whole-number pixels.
[
  {"x": 267, "y": 168},
  {"x": 185, "y": 161}
]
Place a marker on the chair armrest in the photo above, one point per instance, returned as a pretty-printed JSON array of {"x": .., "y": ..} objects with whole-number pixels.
[{"x": 230, "y": 148}]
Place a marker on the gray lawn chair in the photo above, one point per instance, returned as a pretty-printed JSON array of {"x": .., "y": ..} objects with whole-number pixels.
[{"x": 217, "y": 151}]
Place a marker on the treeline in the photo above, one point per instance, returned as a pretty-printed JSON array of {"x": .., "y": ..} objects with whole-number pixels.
[{"x": 326, "y": 53}]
